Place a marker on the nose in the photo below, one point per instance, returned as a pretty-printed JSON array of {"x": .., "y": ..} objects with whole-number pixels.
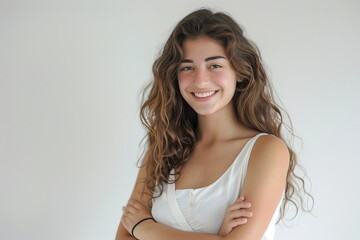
[{"x": 202, "y": 77}]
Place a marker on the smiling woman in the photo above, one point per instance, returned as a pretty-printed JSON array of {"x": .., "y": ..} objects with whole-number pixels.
[
  {"x": 216, "y": 164},
  {"x": 207, "y": 81}
]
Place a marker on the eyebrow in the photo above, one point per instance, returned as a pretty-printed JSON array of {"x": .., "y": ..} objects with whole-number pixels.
[{"x": 185, "y": 60}]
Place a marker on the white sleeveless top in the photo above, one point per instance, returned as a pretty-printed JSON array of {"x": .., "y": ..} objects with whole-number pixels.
[{"x": 203, "y": 209}]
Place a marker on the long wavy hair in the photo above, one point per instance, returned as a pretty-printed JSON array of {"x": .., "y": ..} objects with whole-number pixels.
[{"x": 172, "y": 124}]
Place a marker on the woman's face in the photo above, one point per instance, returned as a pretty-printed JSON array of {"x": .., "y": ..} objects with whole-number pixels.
[{"x": 207, "y": 81}]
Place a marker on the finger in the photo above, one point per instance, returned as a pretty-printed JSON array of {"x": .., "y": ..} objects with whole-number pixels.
[
  {"x": 233, "y": 224},
  {"x": 233, "y": 207},
  {"x": 240, "y": 199},
  {"x": 236, "y": 222},
  {"x": 239, "y": 205},
  {"x": 136, "y": 204},
  {"x": 240, "y": 213},
  {"x": 130, "y": 209},
  {"x": 125, "y": 211},
  {"x": 227, "y": 230},
  {"x": 239, "y": 221},
  {"x": 124, "y": 220}
]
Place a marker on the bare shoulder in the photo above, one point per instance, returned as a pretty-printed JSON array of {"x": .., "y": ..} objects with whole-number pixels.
[
  {"x": 264, "y": 184},
  {"x": 270, "y": 150}
]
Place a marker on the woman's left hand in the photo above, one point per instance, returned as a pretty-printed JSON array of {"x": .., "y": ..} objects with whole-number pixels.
[{"x": 134, "y": 212}]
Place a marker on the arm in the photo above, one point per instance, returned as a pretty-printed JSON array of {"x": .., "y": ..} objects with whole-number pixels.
[
  {"x": 122, "y": 233},
  {"x": 263, "y": 187},
  {"x": 136, "y": 210},
  {"x": 236, "y": 215},
  {"x": 135, "y": 213}
]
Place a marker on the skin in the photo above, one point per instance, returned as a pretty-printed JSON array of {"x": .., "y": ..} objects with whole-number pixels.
[
  {"x": 201, "y": 72},
  {"x": 236, "y": 215},
  {"x": 268, "y": 164}
]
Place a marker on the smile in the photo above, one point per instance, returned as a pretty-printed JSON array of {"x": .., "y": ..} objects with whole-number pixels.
[{"x": 204, "y": 94}]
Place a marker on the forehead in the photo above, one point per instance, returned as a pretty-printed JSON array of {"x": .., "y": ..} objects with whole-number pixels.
[{"x": 202, "y": 46}]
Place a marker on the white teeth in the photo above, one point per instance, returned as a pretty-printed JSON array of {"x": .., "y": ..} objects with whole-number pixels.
[{"x": 204, "y": 94}]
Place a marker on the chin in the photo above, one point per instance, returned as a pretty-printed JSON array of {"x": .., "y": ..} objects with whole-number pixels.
[{"x": 203, "y": 112}]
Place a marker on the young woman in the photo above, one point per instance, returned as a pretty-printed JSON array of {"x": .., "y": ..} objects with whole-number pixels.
[{"x": 214, "y": 134}]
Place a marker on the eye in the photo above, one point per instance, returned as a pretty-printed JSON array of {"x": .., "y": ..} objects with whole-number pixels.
[
  {"x": 186, "y": 69},
  {"x": 215, "y": 66}
]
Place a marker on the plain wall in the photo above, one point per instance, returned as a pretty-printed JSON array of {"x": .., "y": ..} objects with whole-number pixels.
[{"x": 70, "y": 77}]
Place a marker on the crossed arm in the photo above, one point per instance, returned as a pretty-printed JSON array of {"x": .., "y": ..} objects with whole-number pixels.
[
  {"x": 136, "y": 213},
  {"x": 263, "y": 187}
]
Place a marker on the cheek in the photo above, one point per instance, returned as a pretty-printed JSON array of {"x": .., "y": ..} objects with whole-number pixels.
[
  {"x": 183, "y": 82},
  {"x": 226, "y": 80}
]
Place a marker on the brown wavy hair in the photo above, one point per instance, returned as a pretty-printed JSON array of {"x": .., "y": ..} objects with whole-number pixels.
[{"x": 172, "y": 124}]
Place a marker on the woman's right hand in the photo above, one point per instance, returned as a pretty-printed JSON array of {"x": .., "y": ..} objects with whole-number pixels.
[{"x": 236, "y": 214}]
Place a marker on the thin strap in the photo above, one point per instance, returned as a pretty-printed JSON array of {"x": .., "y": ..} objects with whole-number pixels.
[{"x": 244, "y": 155}]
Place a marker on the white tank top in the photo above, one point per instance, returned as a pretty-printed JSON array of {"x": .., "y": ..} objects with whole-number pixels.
[{"x": 203, "y": 209}]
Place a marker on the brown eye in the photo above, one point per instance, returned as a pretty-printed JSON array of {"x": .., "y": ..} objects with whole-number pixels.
[
  {"x": 186, "y": 69},
  {"x": 215, "y": 66}
]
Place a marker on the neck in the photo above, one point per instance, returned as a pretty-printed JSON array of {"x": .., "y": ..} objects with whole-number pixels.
[{"x": 220, "y": 126}]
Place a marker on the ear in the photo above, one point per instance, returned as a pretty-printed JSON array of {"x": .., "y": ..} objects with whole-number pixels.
[
  {"x": 239, "y": 79},
  {"x": 242, "y": 83}
]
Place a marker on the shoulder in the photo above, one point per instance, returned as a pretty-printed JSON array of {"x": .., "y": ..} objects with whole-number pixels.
[
  {"x": 264, "y": 184},
  {"x": 271, "y": 143},
  {"x": 270, "y": 149}
]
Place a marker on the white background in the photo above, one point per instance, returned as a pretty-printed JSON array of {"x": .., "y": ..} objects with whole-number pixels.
[{"x": 70, "y": 77}]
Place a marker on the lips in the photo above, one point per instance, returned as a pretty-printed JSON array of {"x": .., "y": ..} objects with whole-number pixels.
[{"x": 204, "y": 94}]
